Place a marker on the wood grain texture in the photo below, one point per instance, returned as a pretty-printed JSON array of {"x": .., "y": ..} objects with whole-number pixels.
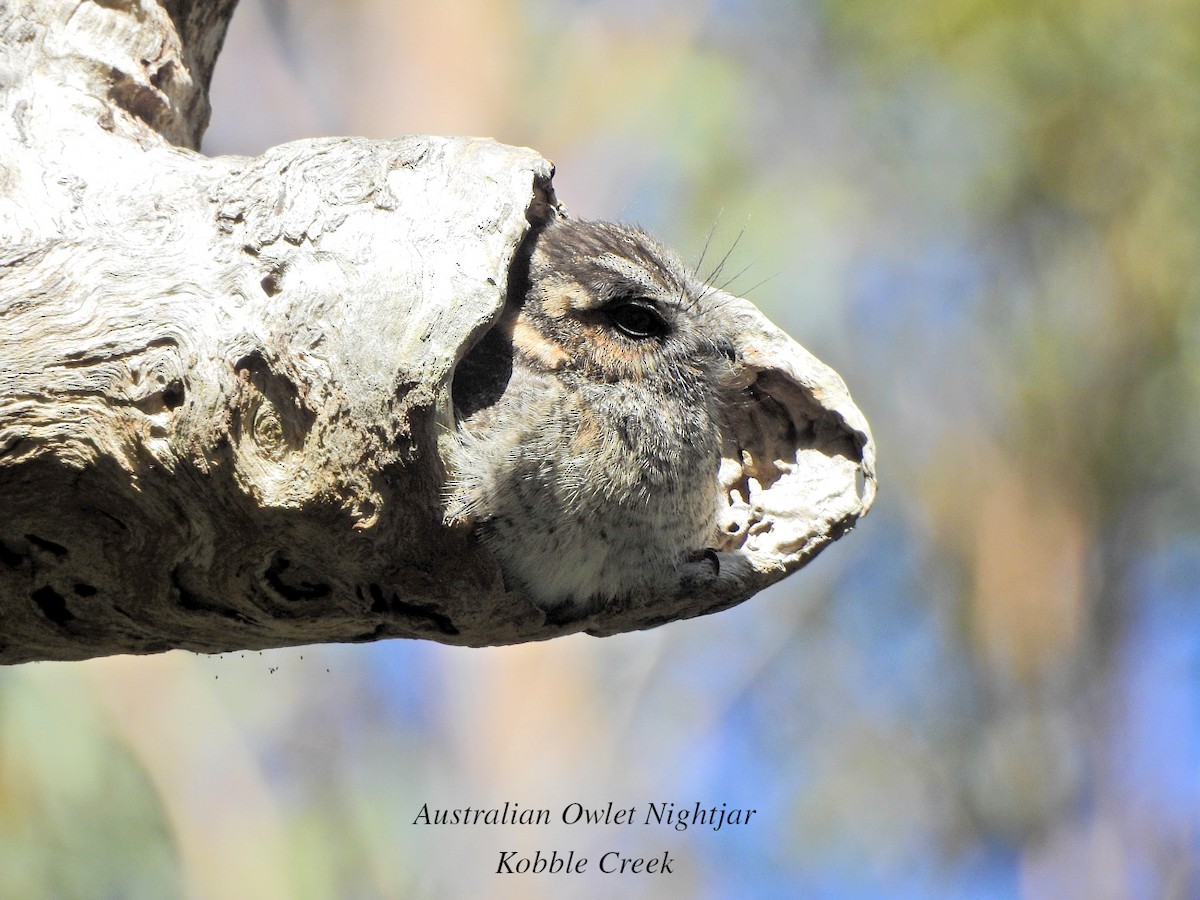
[{"x": 223, "y": 380}]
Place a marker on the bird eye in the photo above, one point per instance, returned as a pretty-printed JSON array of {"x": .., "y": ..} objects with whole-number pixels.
[{"x": 638, "y": 319}]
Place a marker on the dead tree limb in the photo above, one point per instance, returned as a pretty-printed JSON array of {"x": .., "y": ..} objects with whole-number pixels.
[{"x": 222, "y": 380}]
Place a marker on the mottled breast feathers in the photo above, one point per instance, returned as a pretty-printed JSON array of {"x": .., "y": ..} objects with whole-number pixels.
[{"x": 588, "y": 419}]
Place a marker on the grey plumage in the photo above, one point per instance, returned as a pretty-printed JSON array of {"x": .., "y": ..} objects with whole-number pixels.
[{"x": 588, "y": 436}]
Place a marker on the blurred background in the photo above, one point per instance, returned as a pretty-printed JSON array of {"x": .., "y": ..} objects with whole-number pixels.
[{"x": 986, "y": 215}]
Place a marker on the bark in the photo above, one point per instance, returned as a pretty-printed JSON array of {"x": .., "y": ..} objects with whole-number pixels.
[{"x": 222, "y": 380}]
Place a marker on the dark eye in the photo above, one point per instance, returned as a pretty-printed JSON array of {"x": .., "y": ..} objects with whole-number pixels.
[{"x": 637, "y": 318}]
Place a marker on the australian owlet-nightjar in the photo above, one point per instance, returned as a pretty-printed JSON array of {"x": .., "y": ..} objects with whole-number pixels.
[{"x": 587, "y": 442}]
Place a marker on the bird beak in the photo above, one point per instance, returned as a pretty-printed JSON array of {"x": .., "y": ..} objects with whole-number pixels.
[{"x": 797, "y": 472}]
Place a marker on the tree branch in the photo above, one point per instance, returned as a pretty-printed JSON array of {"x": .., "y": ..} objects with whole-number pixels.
[{"x": 223, "y": 381}]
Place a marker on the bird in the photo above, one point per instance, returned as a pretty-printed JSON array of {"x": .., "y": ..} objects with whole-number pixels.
[{"x": 587, "y": 419}]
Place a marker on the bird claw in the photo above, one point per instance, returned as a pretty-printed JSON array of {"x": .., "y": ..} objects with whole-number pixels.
[{"x": 710, "y": 554}]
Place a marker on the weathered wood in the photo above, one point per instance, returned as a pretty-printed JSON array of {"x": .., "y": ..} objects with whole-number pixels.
[{"x": 223, "y": 381}]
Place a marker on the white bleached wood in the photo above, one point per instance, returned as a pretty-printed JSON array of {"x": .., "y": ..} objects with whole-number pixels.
[{"x": 222, "y": 380}]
